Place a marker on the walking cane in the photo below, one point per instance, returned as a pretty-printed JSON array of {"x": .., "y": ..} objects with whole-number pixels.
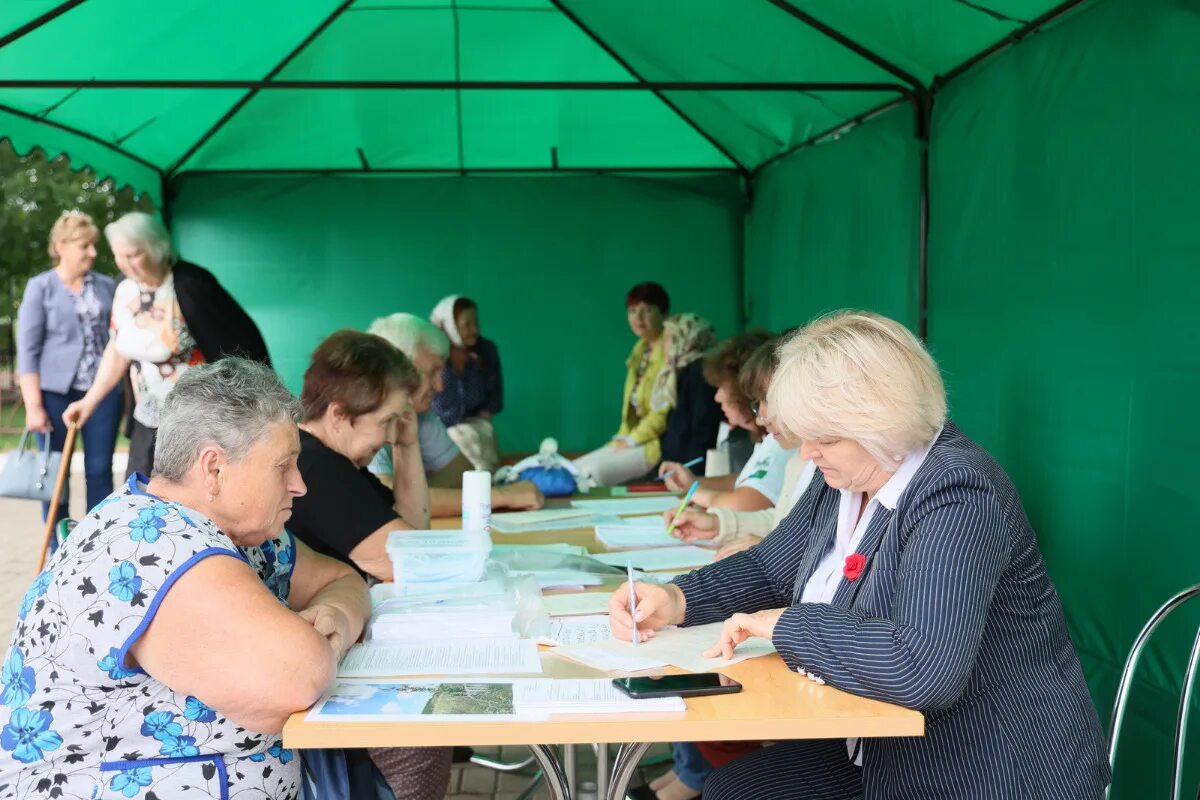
[{"x": 64, "y": 471}]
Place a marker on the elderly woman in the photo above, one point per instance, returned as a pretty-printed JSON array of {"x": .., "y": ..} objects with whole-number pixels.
[
  {"x": 168, "y": 316},
  {"x": 732, "y": 530},
  {"x": 427, "y": 348},
  {"x": 358, "y": 397},
  {"x": 179, "y": 626},
  {"x": 759, "y": 484},
  {"x": 636, "y": 448},
  {"x": 472, "y": 386},
  {"x": 62, "y": 330},
  {"x": 910, "y": 574},
  {"x": 693, "y": 416}
]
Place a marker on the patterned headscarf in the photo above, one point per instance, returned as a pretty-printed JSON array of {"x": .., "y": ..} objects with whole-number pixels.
[
  {"x": 443, "y": 317},
  {"x": 692, "y": 336}
]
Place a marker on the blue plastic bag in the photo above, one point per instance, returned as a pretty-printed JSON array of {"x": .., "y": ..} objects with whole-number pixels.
[{"x": 552, "y": 481}]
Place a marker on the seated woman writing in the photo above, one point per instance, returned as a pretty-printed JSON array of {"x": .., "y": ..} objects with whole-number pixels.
[
  {"x": 760, "y": 482},
  {"x": 735, "y": 531},
  {"x": 907, "y": 573},
  {"x": 179, "y": 626}
]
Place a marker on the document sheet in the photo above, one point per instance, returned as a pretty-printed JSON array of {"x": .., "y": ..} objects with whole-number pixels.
[{"x": 463, "y": 657}]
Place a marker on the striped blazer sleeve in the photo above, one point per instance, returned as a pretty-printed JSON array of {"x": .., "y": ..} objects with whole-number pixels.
[
  {"x": 954, "y": 548},
  {"x": 752, "y": 580}
]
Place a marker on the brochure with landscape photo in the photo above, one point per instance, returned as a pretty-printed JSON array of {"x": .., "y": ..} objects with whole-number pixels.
[{"x": 415, "y": 700}]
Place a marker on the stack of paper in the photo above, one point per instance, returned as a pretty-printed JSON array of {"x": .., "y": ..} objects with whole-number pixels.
[
  {"x": 546, "y": 519},
  {"x": 576, "y": 630},
  {"x": 660, "y": 558},
  {"x": 473, "y": 657},
  {"x": 421, "y": 618},
  {"x": 625, "y": 505},
  {"x": 631, "y": 537},
  {"x": 680, "y": 647},
  {"x": 502, "y": 550},
  {"x": 583, "y": 696}
]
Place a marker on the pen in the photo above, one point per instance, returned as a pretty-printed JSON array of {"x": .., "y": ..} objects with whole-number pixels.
[
  {"x": 632, "y": 598},
  {"x": 688, "y": 465},
  {"x": 687, "y": 498}
]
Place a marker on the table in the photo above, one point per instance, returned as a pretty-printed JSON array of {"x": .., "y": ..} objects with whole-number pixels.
[{"x": 775, "y": 704}]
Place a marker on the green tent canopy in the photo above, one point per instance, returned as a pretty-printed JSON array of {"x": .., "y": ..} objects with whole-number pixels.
[
  {"x": 147, "y": 92},
  {"x": 1032, "y": 213}
]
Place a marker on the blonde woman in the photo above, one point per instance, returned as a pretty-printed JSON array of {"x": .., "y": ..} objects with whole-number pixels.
[
  {"x": 62, "y": 330},
  {"x": 907, "y": 573}
]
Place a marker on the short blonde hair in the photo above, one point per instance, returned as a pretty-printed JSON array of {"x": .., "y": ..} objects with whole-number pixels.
[
  {"x": 71, "y": 225},
  {"x": 145, "y": 232},
  {"x": 858, "y": 375}
]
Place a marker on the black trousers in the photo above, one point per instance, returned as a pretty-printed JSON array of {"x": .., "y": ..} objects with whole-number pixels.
[
  {"x": 141, "y": 449},
  {"x": 817, "y": 769}
]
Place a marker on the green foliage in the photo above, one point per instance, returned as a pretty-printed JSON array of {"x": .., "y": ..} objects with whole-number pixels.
[{"x": 34, "y": 192}]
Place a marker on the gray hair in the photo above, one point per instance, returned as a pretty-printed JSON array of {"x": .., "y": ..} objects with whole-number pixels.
[
  {"x": 144, "y": 231},
  {"x": 409, "y": 333},
  {"x": 230, "y": 403}
]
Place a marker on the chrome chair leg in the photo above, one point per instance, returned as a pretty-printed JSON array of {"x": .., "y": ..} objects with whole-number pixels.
[{"x": 556, "y": 781}]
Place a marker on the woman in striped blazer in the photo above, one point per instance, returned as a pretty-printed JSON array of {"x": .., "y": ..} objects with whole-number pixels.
[{"x": 909, "y": 573}]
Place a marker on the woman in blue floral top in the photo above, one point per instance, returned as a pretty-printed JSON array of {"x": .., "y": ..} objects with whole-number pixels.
[{"x": 143, "y": 667}]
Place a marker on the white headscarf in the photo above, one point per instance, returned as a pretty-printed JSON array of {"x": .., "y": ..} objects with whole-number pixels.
[{"x": 443, "y": 317}]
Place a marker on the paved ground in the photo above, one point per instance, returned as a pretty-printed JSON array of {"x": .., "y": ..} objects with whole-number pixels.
[{"x": 21, "y": 532}]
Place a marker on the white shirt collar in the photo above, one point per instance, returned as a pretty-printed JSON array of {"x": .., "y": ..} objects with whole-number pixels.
[{"x": 889, "y": 494}]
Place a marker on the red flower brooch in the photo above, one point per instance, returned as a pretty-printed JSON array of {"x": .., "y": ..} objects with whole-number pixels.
[{"x": 855, "y": 562}]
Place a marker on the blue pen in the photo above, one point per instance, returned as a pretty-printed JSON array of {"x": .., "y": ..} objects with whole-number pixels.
[
  {"x": 632, "y": 598},
  {"x": 687, "y": 498},
  {"x": 688, "y": 465}
]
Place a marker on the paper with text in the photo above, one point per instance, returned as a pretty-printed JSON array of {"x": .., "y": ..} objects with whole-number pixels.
[{"x": 464, "y": 657}]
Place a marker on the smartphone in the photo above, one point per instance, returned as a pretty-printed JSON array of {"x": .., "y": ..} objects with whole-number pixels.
[{"x": 678, "y": 685}]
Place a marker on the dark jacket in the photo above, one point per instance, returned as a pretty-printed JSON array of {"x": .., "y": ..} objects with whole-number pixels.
[
  {"x": 693, "y": 422},
  {"x": 218, "y": 324},
  {"x": 953, "y": 615}
]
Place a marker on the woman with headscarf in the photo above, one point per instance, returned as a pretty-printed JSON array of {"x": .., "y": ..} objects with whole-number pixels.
[
  {"x": 472, "y": 386},
  {"x": 693, "y": 414}
]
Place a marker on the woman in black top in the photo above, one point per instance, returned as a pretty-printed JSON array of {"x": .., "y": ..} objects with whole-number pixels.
[
  {"x": 356, "y": 399},
  {"x": 695, "y": 416}
]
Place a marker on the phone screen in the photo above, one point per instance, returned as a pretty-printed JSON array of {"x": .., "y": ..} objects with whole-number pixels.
[{"x": 678, "y": 685}]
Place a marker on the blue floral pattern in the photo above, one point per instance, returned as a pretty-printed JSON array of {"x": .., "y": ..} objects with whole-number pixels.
[
  {"x": 19, "y": 680},
  {"x": 76, "y": 714}
]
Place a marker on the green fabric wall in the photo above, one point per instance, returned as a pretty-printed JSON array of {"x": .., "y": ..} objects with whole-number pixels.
[
  {"x": 1063, "y": 288},
  {"x": 549, "y": 260},
  {"x": 836, "y": 225}
]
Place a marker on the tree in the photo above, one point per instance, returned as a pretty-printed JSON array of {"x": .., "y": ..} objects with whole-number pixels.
[{"x": 34, "y": 192}]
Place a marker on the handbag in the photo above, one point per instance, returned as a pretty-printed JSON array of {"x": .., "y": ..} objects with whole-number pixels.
[{"x": 29, "y": 473}]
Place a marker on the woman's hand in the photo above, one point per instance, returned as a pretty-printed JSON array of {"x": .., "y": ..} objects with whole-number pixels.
[
  {"x": 522, "y": 495},
  {"x": 678, "y": 477},
  {"x": 656, "y": 607},
  {"x": 741, "y": 627},
  {"x": 736, "y": 546},
  {"x": 405, "y": 428},
  {"x": 79, "y": 412},
  {"x": 332, "y": 623},
  {"x": 694, "y": 525},
  {"x": 37, "y": 420}
]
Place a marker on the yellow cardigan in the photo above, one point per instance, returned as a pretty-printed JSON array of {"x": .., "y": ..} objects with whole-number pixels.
[{"x": 646, "y": 429}]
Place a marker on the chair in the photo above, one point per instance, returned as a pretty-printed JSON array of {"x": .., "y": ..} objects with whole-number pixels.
[{"x": 1185, "y": 699}]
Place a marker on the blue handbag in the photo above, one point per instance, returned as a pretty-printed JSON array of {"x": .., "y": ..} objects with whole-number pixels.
[{"x": 551, "y": 481}]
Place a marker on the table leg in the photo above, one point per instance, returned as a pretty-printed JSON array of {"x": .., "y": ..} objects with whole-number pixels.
[
  {"x": 623, "y": 768},
  {"x": 569, "y": 767},
  {"x": 602, "y": 771},
  {"x": 556, "y": 782}
]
